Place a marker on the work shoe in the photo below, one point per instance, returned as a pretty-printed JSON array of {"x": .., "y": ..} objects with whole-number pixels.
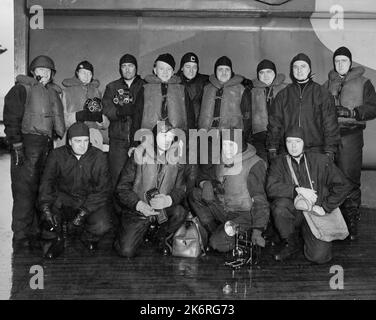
[
  {"x": 92, "y": 246},
  {"x": 290, "y": 247},
  {"x": 56, "y": 248}
]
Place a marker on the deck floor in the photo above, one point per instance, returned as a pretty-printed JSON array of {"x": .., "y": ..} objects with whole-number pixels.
[{"x": 80, "y": 275}]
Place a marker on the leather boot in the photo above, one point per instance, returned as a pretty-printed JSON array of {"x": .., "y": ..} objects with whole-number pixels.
[
  {"x": 56, "y": 248},
  {"x": 92, "y": 246},
  {"x": 352, "y": 217},
  {"x": 290, "y": 247}
]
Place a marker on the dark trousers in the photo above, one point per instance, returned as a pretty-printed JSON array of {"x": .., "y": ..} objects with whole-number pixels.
[
  {"x": 133, "y": 229},
  {"x": 117, "y": 157},
  {"x": 25, "y": 184},
  {"x": 288, "y": 221},
  {"x": 349, "y": 160},
  {"x": 97, "y": 224},
  {"x": 259, "y": 142},
  {"x": 213, "y": 217}
]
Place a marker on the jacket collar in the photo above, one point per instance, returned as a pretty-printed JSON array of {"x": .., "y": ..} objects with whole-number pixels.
[
  {"x": 353, "y": 73},
  {"x": 153, "y": 79},
  {"x": 74, "y": 81},
  {"x": 235, "y": 80},
  {"x": 278, "y": 80}
]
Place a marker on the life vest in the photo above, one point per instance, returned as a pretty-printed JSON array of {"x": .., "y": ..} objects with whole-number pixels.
[
  {"x": 43, "y": 108},
  {"x": 230, "y": 112},
  {"x": 177, "y": 114}
]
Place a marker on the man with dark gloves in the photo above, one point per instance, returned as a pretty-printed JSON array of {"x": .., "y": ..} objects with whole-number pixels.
[
  {"x": 330, "y": 188},
  {"x": 151, "y": 190},
  {"x": 33, "y": 116},
  {"x": 265, "y": 88},
  {"x": 232, "y": 192},
  {"x": 74, "y": 192},
  {"x": 355, "y": 100},
  {"x": 306, "y": 104},
  {"x": 119, "y": 105}
]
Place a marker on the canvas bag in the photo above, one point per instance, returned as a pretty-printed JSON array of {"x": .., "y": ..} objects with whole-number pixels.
[
  {"x": 329, "y": 227},
  {"x": 190, "y": 239}
]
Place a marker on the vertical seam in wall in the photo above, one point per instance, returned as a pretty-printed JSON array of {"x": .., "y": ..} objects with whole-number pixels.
[{"x": 139, "y": 31}]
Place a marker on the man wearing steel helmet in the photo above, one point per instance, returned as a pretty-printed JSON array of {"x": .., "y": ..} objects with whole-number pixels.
[{"x": 33, "y": 115}]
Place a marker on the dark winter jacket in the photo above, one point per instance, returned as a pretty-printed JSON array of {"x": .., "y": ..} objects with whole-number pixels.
[
  {"x": 262, "y": 98},
  {"x": 31, "y": 108},
  {"x": 312, "y": 109},
  {"x": 329, "y": 182},
  {"x": 122, "y": 128},
  {"x": 226, "y": 105},
  {"x": 195, "y": 90},
  {"x": 143, "y": 172},
  {"x": 87, "y": 180},
  {"x": 353, "y": 91},
  {"x": 241, "y": 187}
]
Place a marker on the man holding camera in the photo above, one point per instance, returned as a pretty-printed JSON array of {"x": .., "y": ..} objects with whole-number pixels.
[
  {"x": 74, "y": 192},
  {"x": 330, "y": 188},
  {"x": 150, "y": 190}
]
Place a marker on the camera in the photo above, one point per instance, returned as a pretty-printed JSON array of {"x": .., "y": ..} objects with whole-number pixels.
[{"x": 150, "y": 194}]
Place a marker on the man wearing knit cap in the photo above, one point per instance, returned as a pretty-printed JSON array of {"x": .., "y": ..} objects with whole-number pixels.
[
  {"x": 330, "y": 188},
  {"x": 265, "y": 88},
  {"x": 119, "y": 105},
  {"x": 355, "y": 100},
  {"x": 303, "y": 103},
  {"x": 226, "y": 103},
  {"x": 74, "y": 193},
  {"x": 33, "y": 116},
  {"x": 164, "y": 97}
]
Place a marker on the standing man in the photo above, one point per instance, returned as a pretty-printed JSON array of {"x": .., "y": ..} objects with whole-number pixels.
[
  {"x": 265, "y": 88},
  {"x": 303, "y": 103},
  {"x": 75, "y": 188},
  {"x": 164, "y": 98},
  {"x": 119, "y": 105},
  {"x": 330, "y": 189},
  {"x": 226, "y": 103},
  {"x": 33, "y": 115},
  {"x": 355, "y": 100}
]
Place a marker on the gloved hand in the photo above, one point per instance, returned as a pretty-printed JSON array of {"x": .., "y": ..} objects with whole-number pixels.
[
  {"x": 80, "y": 217},
  {"x": 161, "y": 201},
  {"x": 307, "y": 193},
  {"x": 18, "y": 153},
  {"x": 208, "y": 191},
  {"x": 318, "y": 210},
  {"x": 86, "y": 115},
  {"x": 49, "y": 218},
  {"x": 330, "y": 155},
  {"x": 257, "y": 238},
  {"x": 145, "y": 209},
  {"x": 345, "y": 112},
  {"x": 272, "y": 154}
]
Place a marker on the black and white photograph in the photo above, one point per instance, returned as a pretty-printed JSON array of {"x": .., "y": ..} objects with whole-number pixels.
[{"x": 187, "y": 156}]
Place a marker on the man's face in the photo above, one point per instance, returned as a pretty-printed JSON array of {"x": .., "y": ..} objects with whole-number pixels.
[
  {"x": 266, "y": 76},
  {"x": 300, "y": 70},
  {"x": 229, "y": 149},
  {"x": 294, "y": 146},
  {"x": 163, "y": 71},
  {"x": 342, "y": 64},
  {"x": 190, "y": 70},
  {"x": 43, "y": 73},
  {"x": 223, "y": 73},
  {"x": 79, "y": 145},
  {"x": 128, "y": 70},
  {"x": 165, "y": 140},
  {"x": 85, "y": 76}
]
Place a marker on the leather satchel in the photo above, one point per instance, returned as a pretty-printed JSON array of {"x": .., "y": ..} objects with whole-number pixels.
[{"x": 190, "y": 239}]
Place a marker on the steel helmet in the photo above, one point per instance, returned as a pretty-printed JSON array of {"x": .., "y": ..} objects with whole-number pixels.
[{"x": 43, "y": 62}]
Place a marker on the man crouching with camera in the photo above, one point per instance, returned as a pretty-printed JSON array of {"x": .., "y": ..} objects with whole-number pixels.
[{"x": 150, "y": 191}]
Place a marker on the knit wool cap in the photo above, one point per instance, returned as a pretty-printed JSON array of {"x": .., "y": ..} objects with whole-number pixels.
[
  {"x": 78, "y": 129},
  {"x": 167, "y": 58},
  {"x": 342, "y": 51},
  {"x": 188, "y": 57},
  {"x": 85, "y": 65},
  {"x": 295, "y": 132},
  {"x": 128, "y": 58},
  {"x": 266, "y": 64},
  {"x": 222, "y": 61},
  {"x": 301, "y": 57}
]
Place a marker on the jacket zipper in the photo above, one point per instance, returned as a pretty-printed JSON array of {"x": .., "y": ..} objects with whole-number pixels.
[{"x": 300, "y": 101}]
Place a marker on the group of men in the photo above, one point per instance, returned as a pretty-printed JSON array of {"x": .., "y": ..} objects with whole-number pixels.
[{"x": 144, "y": 189}]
